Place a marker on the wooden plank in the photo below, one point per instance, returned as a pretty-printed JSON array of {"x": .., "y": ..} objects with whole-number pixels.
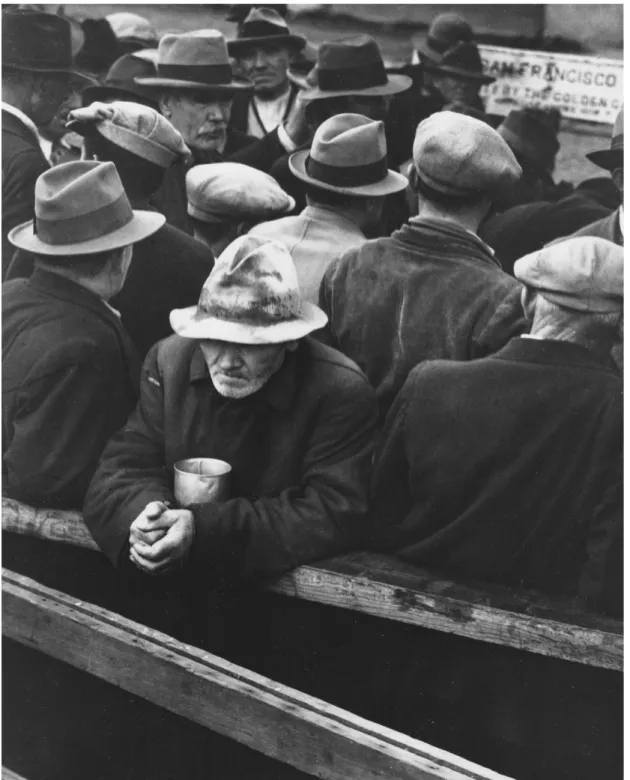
[
  {"x": 9, "y": 774},
  {"x": 276, "y": 720},
  {"x": 386, "y": 588}
]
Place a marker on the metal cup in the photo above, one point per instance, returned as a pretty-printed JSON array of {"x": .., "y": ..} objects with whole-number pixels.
[{"x": 201, "y": 481}]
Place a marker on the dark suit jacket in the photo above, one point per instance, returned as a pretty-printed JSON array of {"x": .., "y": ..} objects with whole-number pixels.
[
  {"x": 70, "y": 378},
  {"x": 495, "y": 468},
  {"x": 22, "y": 163},
  {"x": 167, "y": 272},
  {"x": 607, "y": 228}
]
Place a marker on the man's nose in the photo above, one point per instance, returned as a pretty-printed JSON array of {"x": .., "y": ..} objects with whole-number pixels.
[
  {"x": 213, "y": 112},
  {"x": 260, "y": 60},
  {"x": 229, "y": 359}
]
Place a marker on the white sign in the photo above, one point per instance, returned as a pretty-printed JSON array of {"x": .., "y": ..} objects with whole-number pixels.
[{"x": 586, "y": 88}]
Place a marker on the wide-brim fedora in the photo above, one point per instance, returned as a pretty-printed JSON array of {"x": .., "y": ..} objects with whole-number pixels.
[
  {"x": 350, "y": 66},
  {"x": 612, "y": 158},
  {"x": 445, "y": 31},
  {"x": 81, "y": 208},
  {"x": 119, "y": 83},
  {"x": 194, "y": 61},
  {"x": 349, "y": 156},
  {"x": 463, "y": 61},
  {"x": 251, "y": 297},
  {"x": 264, "y": 26}
]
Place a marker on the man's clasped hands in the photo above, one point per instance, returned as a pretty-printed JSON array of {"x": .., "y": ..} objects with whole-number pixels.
[{"x": 160, "y": 538}]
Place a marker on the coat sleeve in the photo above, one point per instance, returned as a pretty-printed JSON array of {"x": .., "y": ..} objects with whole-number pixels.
[
  {"x": 132, "y": 470},
  {"x": 502, "y": 321},
  {"x": 60, "y": 427},
  {"x": 319, "y": 517}
]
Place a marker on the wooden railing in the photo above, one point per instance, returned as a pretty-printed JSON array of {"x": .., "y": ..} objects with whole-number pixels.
[{"x": 386, "y": 588}]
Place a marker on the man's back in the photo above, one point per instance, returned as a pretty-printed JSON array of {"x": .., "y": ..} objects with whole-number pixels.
[
  {"x": 315, "y": 238},
  {"x": 495, "y": 468},
  {"x": 430, "y": 291}
]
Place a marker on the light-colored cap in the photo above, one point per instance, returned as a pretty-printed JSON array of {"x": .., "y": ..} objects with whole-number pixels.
[
  {"x": 252, "y": 296},
  {"x": 220, "y": 192},
  {"x": 138, "y": 129},
  {"x": 132, "y": 26},
  {"x": 462, "y": 156},
  {"x": 585, "y": 274}
]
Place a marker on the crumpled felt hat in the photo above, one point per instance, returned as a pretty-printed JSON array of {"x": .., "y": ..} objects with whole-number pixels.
[
  {"x": 139, "y": 129},
  {"x": 252, "y": 296},
  {"x": 528, "y": 133},
  {"x": 612, "y": 158},
  {"x": 582, "y": 273},
  {"x": 462, "y": 61},
  {"x": 462, "y": 156},
  {"x": 445, "y": 31},
  {"x": 264, "y": 26},
  {"x": 119, "y": 84},
  {"x": 195, "y": 60},
  {"x": 81, "y": 208},
  {"x": 348, "y": 155},
  {"x": 133, "y": 27},
  {"x": 226, "y": 191}
]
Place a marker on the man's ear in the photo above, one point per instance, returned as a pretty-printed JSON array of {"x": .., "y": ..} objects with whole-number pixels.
[
  {"x": 528, "y": 298},
  {"x": 165, "y": 105},
  {"x": 617, "y": 177}
]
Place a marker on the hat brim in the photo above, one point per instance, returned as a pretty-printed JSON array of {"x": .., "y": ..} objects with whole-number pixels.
[
  {"x": 429, "y": 55},
  {"x": 143, "y": 225},
  {"x": 77, "y": 74},
  {"x": 293, "y": 41},
  {"x": 608, "y": 159},
  {"x": 393, "y": 182},
  {"x": 190, "y": 324},
  {"x": 100, "y": 93},
  {"x": 299, "y": 77},
  {"x": 463, "y": 74},
  {"x": 154, "y": 82},
  {"x": 395, "y": 84},
  {"x": 216, "y": 217}
]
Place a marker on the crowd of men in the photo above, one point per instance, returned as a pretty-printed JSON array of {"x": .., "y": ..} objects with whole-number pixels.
[{"x": 366, "y": 295}]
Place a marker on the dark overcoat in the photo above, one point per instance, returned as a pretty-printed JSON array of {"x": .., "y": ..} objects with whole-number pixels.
[
  {"x": 300, "y": 450},
  {"x": 69, "y": 380},
  {"x": 495, "y": 468},
  {"x": 432, "y": 290},
  {"x": 22, "y": 163}
]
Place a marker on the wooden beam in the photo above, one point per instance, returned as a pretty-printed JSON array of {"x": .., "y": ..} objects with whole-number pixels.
[
  {"x": 384, "y": 587},
  {"x": 387, "y": 588},
  {"x": 292, "y": 727}
]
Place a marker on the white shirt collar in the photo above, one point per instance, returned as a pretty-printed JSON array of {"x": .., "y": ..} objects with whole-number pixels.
[
  {"x": 46, "y": 146},
  {"x": 621, "y": 219}
]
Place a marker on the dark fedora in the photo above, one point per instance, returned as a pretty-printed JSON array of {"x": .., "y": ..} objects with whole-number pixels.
[
  {"x": 530, "y": 134},
  {"x": 101, "y": 48},
  {"x": 445, "y": 31},
  {"x": 119, "y": 83},
  {"x": 611, "y": 158},
  {"x": 264, "y": 26},
  {"x": 463, "y": 61},
  {"x": 38, "y": 42},
  {"x": 350, "y": 66},
  {"x": 239, "y": 11}
]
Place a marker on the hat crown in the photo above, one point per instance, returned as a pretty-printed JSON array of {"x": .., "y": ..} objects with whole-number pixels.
[
  {"x": 353, "y": 51},
  {"x": 129, "y": 25},
  {"x": 253, "y": 282},
  {"x": 38, "y": 40},
  {"x": 126, "y": 68},
  {"x": 76, "y": 188},
  {"x": 527, "y": 132},
  {"x": 201, "y": 47},
  {"x": 263, "y": 22},
  {"x": 349, "y": 140},
  {"x": 448, "y": 29},
  {"x": 462, "y": 56}
]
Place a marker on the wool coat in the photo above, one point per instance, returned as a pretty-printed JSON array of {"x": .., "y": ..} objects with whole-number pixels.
[
  {"x": 432, "y": 290},
  {"x": 607, "y": 227},
  {"x": 22, "y": 163},
  {"x": 495, "y": 468},
  {"x": 69, "y": 380},
  {"x": 300, "y": 450},
  {"x": 167, "y": 272}
]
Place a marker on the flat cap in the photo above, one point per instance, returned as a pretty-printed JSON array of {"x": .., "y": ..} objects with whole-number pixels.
[
  {"x": 585, "y": 274},
  {"x": 462, "y": 156},
  {"x": 138, "y": 129},
  {"x": 230, "y": 191}
]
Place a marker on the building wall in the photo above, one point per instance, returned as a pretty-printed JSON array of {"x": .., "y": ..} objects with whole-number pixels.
[{"x": 595, "y": 26}]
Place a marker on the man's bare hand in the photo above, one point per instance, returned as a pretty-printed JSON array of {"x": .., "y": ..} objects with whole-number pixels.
[
  {"x": 149, "y": 526},
  {"x": 168, "y": 553}
]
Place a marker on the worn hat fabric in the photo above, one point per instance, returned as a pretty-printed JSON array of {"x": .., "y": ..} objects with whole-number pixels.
[
  {"x": 584, "y": 274},
  {"x": 459, "y": 155},
  {"x": 527, "y": 133},
  {"x": 611, "y": 158},
  {"x": 352, "y": 66},
  {"x": 196, "y": 60},
  {"x": 38, "y": 42},
  {"x": 348, "y": 155},
  {"x": 461, "y": 61},
  {"x": 264, "y": 26},
  {"x": 130, "y": 26},
  {"x": 220, "y": 192},
  {"x": 81, "y": 208},
  {"x": 252, "y": 296},
  {"x": 119, "y": 83},
  {"x": 445, "y": 31},
  {"x": 138, "y": 129}
]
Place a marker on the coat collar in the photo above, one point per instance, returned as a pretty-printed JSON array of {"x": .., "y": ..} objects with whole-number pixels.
[
  {"x": 550, "y": 352},
  {"x": 332, "y": 218},
  {"x": 445, "y": 236},
  {"x": 279, "y": 392}
]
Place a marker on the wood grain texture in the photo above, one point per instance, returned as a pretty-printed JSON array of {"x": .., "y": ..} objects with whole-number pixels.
[
  {"x": 276, "y": 720},
  {"x": 384, "y": 587}
]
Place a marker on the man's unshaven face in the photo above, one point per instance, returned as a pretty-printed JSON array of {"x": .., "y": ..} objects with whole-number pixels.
[
  {"x": 239, "y": 370},
  {"x": 201, "y": 117}
]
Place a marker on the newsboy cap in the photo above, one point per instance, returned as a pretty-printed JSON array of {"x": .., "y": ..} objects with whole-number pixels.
[
  {"x": 584, "y": 274},
  {"x": 219, "y": 192},
  {"x": 462, "y": 156},
  {"x": 138, "y": 129}
]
